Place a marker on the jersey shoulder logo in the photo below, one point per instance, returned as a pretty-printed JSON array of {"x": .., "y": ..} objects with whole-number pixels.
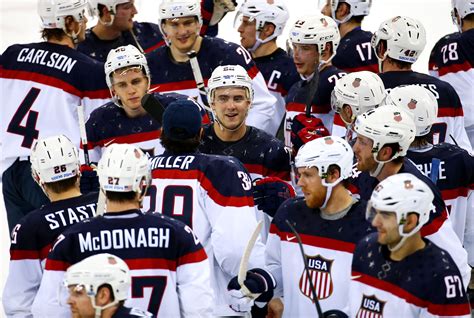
[{"x": 320, "y": 276}]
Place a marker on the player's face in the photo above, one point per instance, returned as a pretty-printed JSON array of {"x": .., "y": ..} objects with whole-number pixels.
[
  {"x": 124, "y": 17},
  {"x": 326, "y": 10},
  {"x": 387, "y": 228},
  {"x": 80, "y": 303},
  {"x": 79, "y": 28},
  {"x": 346, "y": 114},
  {"x": 311, "y": 185},
  {"x": 182, "y": 32},
  {"x": 248, "y": 33},
  {"x": 231, "y": 106},
  {"x": 363, "y": 152},
  {"x": 305, "y": 57},
  {"x": 130, "y": 85}
]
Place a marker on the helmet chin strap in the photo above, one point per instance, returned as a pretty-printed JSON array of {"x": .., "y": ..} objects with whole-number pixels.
[
  {"x": 73, "y": 35},
  {"x": 380, "y": 165},
  {"x": 108, "y": 23},
  {"x": 98, "y": 309},
  {"x": 398, "y": 245},
  {"x": 329, "y": 187}
]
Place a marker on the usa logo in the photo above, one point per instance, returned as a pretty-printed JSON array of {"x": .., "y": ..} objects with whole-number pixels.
[
  {"x": 320, "y": 276},
  {"x": 356, "y": 82},
  {"x": 371, "y": 307}
]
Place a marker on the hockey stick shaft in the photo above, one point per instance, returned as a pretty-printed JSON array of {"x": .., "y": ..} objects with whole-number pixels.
[
  {"x": 312, "y": 90},
  {"x": 313, "y": 289},
  {"x": 199, "y": 80},
  {"x": 244, "y": 262},
  {"x": 153, "y": 107}
]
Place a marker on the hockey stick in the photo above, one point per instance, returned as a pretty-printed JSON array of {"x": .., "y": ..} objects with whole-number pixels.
[
  {"x": 199, "y": 81},
  {"x": 82, "y": 131},
  {"x": 153, "y": 107},
  {"x": 313, "y": 290},
  {"x": 244, "y": 262}
]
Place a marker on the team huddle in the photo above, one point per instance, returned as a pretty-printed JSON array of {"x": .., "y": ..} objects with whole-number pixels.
[{"x": 157, "y": 170}]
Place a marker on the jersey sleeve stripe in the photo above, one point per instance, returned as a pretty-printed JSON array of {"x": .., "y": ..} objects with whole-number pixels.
[
  {"x": 298, "y": 107},
  {"x": 16, "y": 255},
  {"x": 264, "y": 171},
  {"x": 454, "y": 68},
  {"x": 445, "y": 309},
  {"x": 154, "y": 47},
  {"x": 194, "y": 257},
  {"x": 127, "y": 139},
  {"x": 56, "y": 265},
  {"x": 435, "y": 224},
  {"x": 450, "y": 194},
  {"x": 175, "y": 86},
  {"x": 206, "y": 184},
  {"x": 253, "y": 71},
  {"x": 450, "y": 112},
  {"x": 54, "y": 82}
]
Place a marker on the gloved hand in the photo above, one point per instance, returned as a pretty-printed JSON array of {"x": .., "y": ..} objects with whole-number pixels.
[
  {"x": 307, "y": 134},
  {"x": 221, "y": 7},
  {"x": 89, "y": 181},
  {"x": 260, "y": 283},
  {"x": 269, "y": 193}
]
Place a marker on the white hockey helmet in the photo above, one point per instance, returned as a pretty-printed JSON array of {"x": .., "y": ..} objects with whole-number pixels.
[
  {"x": 463, "y": 8},
  {"x": 124, "y": 56},
  {"x": 316, "y": 29},
  {"x": 419, "y": 102},
  {"x": 53, "y": 12},
  {"x": 402, "y": 193},
  {"x": 324, "y": 152},
  {"x": 362, "y": 91},
  {"x": 263, "y": 12},
  {"x": 96, "y": 271},
  {"x": 124, "y": 168},
  {"x": 54, "y": 159},
  {"x": 357, "y": 8},
  {"x": 384, "y": 125},
  {"x": 229, "y": 76},
  {"x": 405, "y": 37},
  {"x": 111, "y": 5},
  {"x": 174, "y": 9}
]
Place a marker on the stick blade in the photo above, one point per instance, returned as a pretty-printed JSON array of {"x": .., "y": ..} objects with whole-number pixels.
[{"x": 153, "y": 107}]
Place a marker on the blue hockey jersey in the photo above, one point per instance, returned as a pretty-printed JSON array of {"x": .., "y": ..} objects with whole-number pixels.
[{"x": 426, "y": 283}]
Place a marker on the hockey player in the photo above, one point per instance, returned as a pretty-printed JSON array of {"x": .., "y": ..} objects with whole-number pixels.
[
  {"x": 42, "y": 83},
  {"x": 55, "y": 167},
  {"x": 449, "y": 167},
  {"x": 98, "y": 287},
  {"x": 353, "y": 95},
  {"x": 452, "y": 60},
  {"x": 210, "y": 193},
  {"x": 115, "y": 27},
  {"x": 398, "y": 43},
  {"x": 213, "y": 11},
  {"x": 396, "y": 272},
  {"x": 315, "y": 40},
  {"x": 180, "y": 22},
  {"x": 354, "y": 52},
  {"x": 384, "y": 135},
  {"x": 259, "y": 24},
  {"x": 330, "y": 222},
  {"x": 161, "y": 252},
  {"x": 124, "y": 120}
]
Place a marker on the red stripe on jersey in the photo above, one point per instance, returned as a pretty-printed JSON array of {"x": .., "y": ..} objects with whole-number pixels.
[
  {"x": 318, "y": 241},
  {"x": 265, "y": 172},
  {"x": 253, "y": 71},
  {"x": 16, "y": 255},
  {"x": 435, "y": 225},
  {"x": 450, "y": 112},
  {"x": 274, "y": 229},
  {"x": 454, "y": 193},
  {"x": 194, "y": 257},
  {"x": 338, "y": 121},
  {"x": 175, "y": 86},
  {"x": 53, "y": 81},
  {"x": 205, "y": 14},
  {"x": 55, "y": 265},
  {"x": 154, "y": 47},
  {"x": 371, "y": 68},
  {"x": 298, "y": 107},
  {"x": 147, "y": 263},
  {"x": 127, "y": 139},
  {"x": 206, "y": 184},
  {"x": 279, "y": 89},
  {"x": 454, "y": 68},
  {"x": 432, "y": 66},
  {"x": 441, "y": 310},
  {"x": 45, "y": 251}
]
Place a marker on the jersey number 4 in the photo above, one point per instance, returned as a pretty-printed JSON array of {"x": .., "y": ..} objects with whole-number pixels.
[{"x": 28, "y": 131}]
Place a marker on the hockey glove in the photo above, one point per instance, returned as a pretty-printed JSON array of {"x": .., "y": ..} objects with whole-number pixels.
[
  {"x": 269, "y": 193},
  {"x": 260, "y": 283},
  {"x": 89, "y": 181},
  {"x": 307, "y": 134},
  {"x": 221, "y": 7}
]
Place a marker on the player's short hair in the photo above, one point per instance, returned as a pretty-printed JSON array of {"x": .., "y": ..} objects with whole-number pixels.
[
  {"x": 52, "y": 34},
  {"x": 121, "y": 197},
  {"x": 62, "y": 185},
  {"x": 180, "y": 146},
  {"x": 400, "y": 64}
]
